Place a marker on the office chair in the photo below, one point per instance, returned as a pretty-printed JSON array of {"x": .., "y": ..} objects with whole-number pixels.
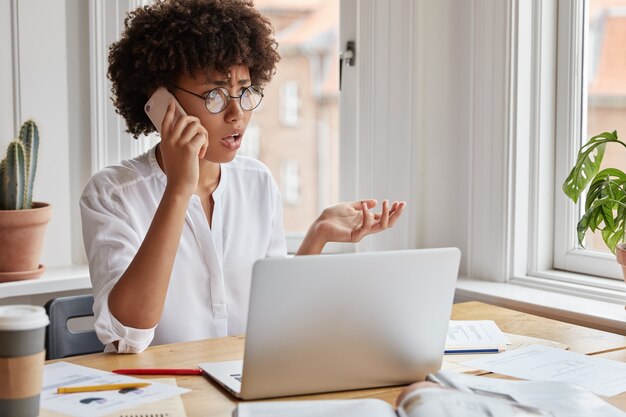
[{"x": 61, "y": 342}]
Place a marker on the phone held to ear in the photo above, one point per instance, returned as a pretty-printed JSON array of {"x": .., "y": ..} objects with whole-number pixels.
[{"x": 156, "y": 107}]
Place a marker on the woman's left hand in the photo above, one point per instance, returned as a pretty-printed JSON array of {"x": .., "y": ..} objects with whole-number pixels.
[{"x": 349, "y": 222}]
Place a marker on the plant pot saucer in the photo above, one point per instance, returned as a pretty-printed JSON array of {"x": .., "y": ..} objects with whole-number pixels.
[{"x": 22, "y": 275}]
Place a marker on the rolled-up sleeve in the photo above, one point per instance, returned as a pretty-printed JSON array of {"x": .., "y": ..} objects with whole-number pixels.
[{"x": 110, "y": 244}]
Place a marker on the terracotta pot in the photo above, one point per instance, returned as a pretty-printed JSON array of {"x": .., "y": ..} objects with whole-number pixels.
[{"x": 21, "y": 239}]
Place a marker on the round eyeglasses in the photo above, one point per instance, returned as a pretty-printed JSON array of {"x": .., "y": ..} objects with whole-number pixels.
[{"x": 217, "y": 100}]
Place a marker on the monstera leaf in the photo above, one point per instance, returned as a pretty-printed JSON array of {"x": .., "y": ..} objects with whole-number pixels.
[{"x": 605, "y": 201}]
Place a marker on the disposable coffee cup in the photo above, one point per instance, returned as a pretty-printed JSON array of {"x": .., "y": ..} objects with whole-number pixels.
[{"x": 22, "y": 356}]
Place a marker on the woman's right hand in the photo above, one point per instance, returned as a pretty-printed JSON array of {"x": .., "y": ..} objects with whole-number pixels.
[{"x": 183, "y": 143}]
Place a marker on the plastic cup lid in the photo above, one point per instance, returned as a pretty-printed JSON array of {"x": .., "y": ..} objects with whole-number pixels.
[{"x": 22, "y": 317}]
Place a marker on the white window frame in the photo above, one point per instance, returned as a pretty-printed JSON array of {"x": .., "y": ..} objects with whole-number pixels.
[
  {"x": 110, "y": 144},
  {"x": 544, "y": 253},
  {"x": 571, "y": 124}
]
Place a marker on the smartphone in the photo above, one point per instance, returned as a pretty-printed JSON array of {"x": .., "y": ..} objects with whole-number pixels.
[{"x": 156, "y": 107}]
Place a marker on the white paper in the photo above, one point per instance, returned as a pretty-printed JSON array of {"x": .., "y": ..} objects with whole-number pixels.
[
  {"x": 536, "y": 362},
  {"x": 453, "y": 362},
  {"x": 169, "y": 407},
  {"x": 560, "y": 398},
  {"x": 467, "y": 334},
  {"x": 100, "y": 403}
]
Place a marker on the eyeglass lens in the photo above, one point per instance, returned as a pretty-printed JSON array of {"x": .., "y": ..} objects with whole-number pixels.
[{"x": 217, "y": 100}]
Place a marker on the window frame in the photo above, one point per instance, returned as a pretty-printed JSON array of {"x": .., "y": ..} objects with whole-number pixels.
[
  {"x": 570, "y": 126},
  {"x": 544, "y": 254}
]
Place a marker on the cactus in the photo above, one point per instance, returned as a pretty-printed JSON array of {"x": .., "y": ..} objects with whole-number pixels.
[{"x": 17, "y": 170}]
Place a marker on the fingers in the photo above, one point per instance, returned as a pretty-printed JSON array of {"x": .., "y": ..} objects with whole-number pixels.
[
  {"x": 166, "y": 124},
  {"x": 189, "y": 134},
  {"x": 367, "y": 218},
  {"x": 384, "y": 219},
  {"x": 396, "y": 213},
  {"x": 199, "y": 142},
  {"x": 371, "y": 203},
  {"x": 204, "y": 146}
]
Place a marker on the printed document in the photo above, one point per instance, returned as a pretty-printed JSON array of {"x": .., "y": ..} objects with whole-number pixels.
[
  {"x": 536, "y": 362},
  {"x": 97, "y": 403},
  {"x": 474, "y": 334}
]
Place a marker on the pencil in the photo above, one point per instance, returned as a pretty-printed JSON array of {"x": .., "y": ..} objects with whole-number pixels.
[{"x": 104, "y": 387}]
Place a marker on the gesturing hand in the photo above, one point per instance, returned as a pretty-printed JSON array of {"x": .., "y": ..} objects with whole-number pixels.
[{"x": 350, "y": 222}]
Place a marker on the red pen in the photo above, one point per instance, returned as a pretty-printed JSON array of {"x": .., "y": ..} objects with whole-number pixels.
[{"x": 138, "y": 371}]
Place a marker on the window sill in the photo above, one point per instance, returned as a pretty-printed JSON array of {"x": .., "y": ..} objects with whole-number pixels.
[
  {"x": 568, "y": 307},
  {"x": 57, "y": 279}
]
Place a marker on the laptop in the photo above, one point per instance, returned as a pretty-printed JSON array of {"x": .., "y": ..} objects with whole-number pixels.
[{"x": 323, "y": 323}]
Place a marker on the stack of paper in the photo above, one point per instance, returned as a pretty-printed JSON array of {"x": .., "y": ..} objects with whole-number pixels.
[
  {"x": 474, "y": 336},
  {"x": 602, "y": 376}
]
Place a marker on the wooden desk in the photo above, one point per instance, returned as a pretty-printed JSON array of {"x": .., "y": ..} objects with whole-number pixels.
[{"x": 208, "y": 399}]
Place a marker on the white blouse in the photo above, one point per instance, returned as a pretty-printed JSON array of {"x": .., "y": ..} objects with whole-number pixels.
[{"x": 208, "y": 291}]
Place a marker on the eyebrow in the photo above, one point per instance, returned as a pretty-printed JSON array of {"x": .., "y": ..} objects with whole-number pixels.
[{"x": 225, "y": 83}]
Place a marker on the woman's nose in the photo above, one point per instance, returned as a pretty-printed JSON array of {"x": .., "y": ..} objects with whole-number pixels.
[{"x": 233, "y": 111}]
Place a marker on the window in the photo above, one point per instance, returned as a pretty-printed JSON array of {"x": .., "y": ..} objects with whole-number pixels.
[
  {"x": 606, "y": 84},
  {"x": 297, "y": 129},
  {"x": 591, "y": 98},
  {"x": 290, "y": 179},
  {"x": 251, "y": 146},
  {"x": 289, "y": 103}
]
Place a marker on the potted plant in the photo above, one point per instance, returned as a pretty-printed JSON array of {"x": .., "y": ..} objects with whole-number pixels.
[
  {"x": 22, "y": 221},
  {"x": 605, "y": 202}
]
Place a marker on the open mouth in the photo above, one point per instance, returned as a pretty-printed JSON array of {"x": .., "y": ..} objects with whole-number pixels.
[{"x": 232, "y": 142}]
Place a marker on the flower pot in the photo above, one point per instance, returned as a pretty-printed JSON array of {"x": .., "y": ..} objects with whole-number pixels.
[{"x": 21, "y": 239}]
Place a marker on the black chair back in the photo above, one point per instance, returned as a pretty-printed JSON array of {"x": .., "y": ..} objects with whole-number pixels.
[{"x": 62, "y": 342}]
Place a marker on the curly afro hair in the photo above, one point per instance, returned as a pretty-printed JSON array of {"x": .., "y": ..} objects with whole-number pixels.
[{"x": 167, "y": 39}]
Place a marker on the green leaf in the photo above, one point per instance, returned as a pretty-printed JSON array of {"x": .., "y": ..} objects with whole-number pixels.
[
  {"x": 605, "y": 207},
  {"x": 581, "y": 229},
  {"x": 612, "y": 237},
  {"x": 588, "y": 164},
  {"x": 613, "y": 229}
]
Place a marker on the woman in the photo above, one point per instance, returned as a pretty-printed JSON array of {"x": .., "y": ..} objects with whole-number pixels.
[{"x": 172, "y": 235}]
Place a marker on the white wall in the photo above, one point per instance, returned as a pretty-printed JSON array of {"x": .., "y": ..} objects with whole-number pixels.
[
  {"x": 35, "y": 81},
  {"x": 442, "y": 62}
]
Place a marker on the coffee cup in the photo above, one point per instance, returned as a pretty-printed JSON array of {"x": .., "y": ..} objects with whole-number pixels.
[{"x": 22, "y": 356}]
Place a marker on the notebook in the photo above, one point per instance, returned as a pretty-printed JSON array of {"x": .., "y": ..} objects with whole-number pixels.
[{"x": 326, "y": 323}]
